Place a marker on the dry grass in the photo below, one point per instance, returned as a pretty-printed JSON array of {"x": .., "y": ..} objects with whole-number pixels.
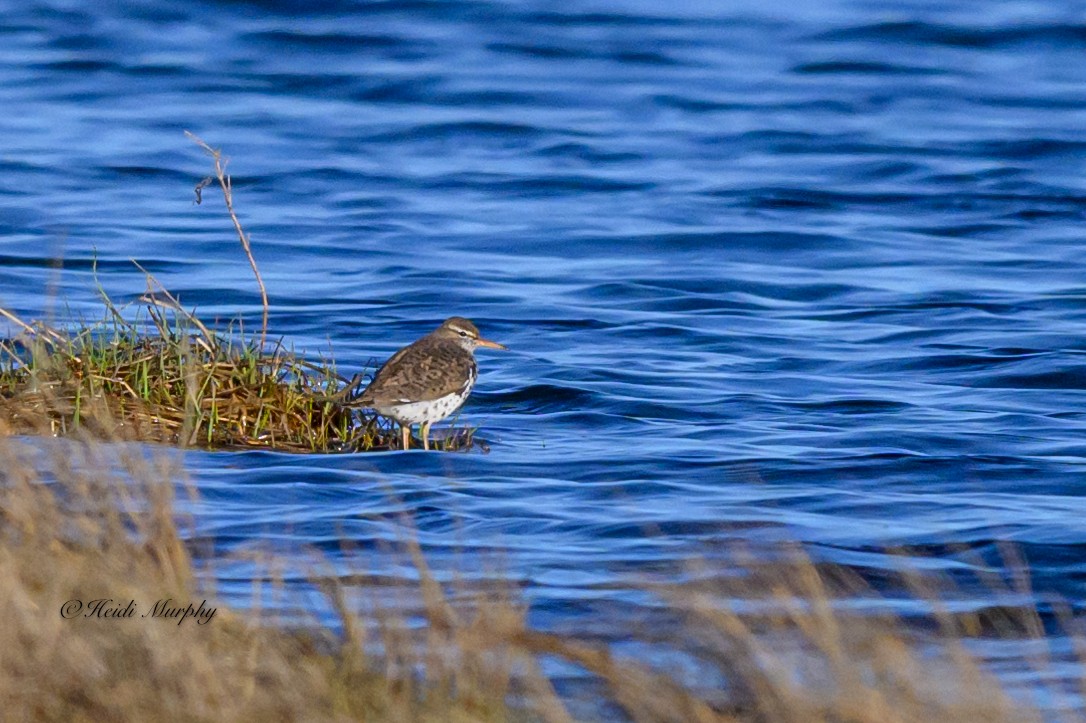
[
  {"x": 770, "y": 642},
  {"x": 78, "y": 532}
]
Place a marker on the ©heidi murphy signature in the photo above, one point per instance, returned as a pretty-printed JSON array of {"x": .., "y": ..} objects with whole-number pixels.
[{"x": 166, "y": 609}]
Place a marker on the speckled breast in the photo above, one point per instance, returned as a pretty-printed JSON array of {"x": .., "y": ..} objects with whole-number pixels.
[{"x": 432, "y": 410}]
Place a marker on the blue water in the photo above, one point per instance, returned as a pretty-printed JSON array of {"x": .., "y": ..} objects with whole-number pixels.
[{"x": 812, "y": 273}]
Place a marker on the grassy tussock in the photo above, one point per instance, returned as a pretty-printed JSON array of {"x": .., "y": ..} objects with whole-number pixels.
[
  {"x": 174, "y": 381},
  {"x": 170, "y": 386},
  {"x": 167, "y": 384},
  {"x": 773, "y": 641}
]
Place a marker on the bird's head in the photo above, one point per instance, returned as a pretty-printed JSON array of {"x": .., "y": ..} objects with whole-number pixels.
[{"x": 464, "y": 333}]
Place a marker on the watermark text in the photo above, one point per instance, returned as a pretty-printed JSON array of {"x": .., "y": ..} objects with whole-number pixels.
[{"x": 165, "y": 609}]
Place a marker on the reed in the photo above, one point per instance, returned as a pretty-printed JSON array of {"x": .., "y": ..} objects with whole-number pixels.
[
  {"x": 770, "y": 639},
  {"x": 85, "y": 521}
]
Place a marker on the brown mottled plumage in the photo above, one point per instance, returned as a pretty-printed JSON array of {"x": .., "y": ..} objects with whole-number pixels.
[{"x": 428, "y": 380}]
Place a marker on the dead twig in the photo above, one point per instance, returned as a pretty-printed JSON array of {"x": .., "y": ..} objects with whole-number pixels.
[
  {"x": 17, "y": 321},
  {"x": 227, "y": 192}
]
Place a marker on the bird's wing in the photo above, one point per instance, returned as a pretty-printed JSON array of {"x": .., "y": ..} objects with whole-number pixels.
[
  {"x": 389, "y": 376},
  {"x": 419, "y": 374}
]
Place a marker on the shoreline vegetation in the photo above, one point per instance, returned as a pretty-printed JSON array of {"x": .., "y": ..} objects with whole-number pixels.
[
  {"x": 166, "y": 377},
  {"x": 767, "y": 637}
]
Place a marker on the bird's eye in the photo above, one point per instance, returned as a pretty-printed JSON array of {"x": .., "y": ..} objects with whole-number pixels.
[{"x": 463, "y": 333}]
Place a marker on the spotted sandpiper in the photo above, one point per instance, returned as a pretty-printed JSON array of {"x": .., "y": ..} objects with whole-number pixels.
[{"x": 428, "y": 380}]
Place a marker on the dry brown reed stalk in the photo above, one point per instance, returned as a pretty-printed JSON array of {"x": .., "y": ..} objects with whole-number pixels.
[
  {"x": 777, "y": 640},
  {"x": 800, "y": 641},
  {"x": 781, "y": 638},
  {"x": 17, "y": 321},
  {"x": 228, "y": 196},
  {"x": 82, "y": 521}
]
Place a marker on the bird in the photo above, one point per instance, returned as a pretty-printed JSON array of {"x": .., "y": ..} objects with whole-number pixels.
[{"x": 427, "y": 380}]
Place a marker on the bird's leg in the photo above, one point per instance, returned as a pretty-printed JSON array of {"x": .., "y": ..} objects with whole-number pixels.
[
  {"x": 405, "y": 430},
  {"x": 426, "y": 436}
]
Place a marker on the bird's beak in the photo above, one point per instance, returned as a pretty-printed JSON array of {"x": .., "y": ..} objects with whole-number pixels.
[{"x": 491, "y": 344}]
